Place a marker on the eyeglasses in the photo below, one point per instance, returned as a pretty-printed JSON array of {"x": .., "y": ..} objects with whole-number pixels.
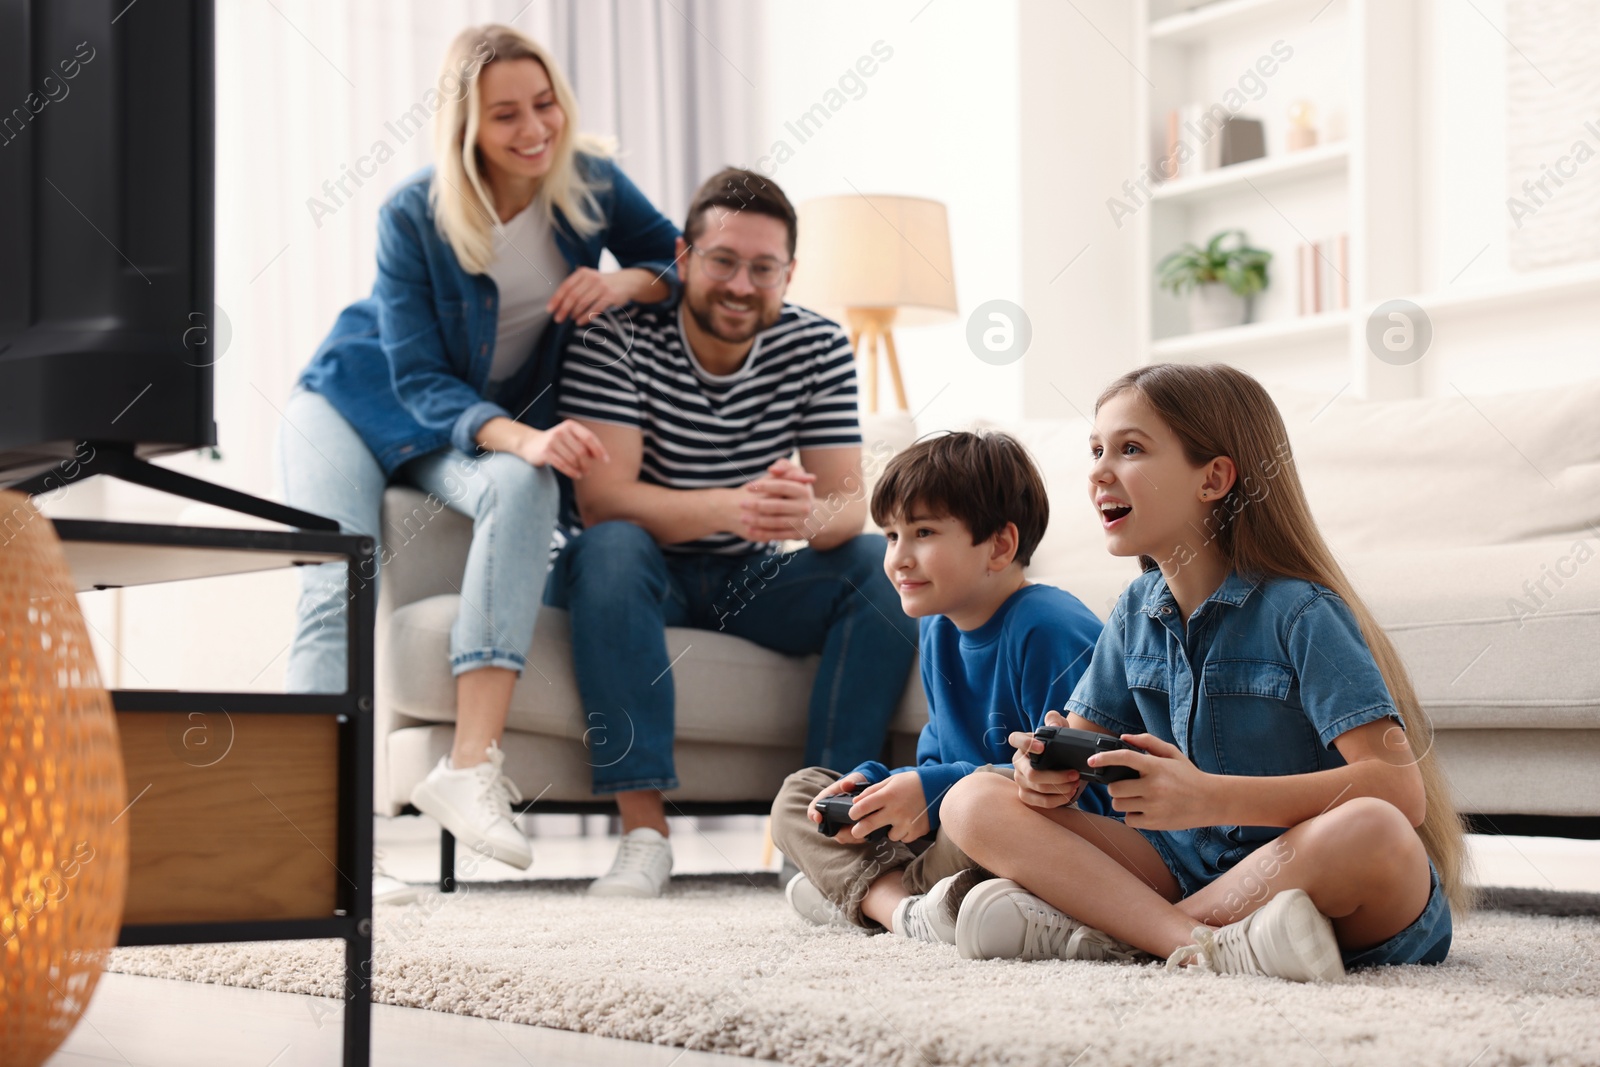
[{"x": 765, "y": 272}]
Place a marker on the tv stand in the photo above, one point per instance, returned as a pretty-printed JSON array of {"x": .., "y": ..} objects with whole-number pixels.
[
  {"x": 117, "y": 460},
  {"x": 253, "y": 814}
]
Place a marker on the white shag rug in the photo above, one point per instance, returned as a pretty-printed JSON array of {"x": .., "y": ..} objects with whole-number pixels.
[{"x": 721, "y": 964}]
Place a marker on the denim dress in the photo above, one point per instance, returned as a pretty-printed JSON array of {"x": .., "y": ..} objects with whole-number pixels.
[
  {"x": 1263, "y": 680},
  {"x": 1267, "y": 674}
]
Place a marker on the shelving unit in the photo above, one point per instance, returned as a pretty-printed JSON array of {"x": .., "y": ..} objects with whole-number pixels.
[
  {"x": 1197, "y": 24},
  {"x": 1350, "y": 58},
  {"x": 1265, "y": 173},
  {"x": 1254, "y": 337}
]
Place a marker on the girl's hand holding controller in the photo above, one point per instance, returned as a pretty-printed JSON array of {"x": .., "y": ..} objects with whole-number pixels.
[
  {"x": 1171, "y": 793},
  {"x": 1042, "y": 789}
]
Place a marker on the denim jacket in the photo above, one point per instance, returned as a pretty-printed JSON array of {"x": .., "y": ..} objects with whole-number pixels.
[
  {"x": 408, "y": 367},
  {"x": 1268, "y": 672}
]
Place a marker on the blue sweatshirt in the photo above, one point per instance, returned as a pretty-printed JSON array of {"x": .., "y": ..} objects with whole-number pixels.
[{"x": 984, "y": 684}]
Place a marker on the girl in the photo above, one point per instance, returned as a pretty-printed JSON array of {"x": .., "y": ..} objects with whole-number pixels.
[
  {"x": 443, "y": 377},
  {"x": 1288, "y": 818}
]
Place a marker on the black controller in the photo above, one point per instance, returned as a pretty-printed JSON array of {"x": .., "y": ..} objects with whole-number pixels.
[
  {"x": 836, "y": 816},
  {"x": 1066, "y": 749}
]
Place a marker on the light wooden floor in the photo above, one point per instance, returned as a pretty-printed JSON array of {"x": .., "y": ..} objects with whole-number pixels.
[{"x": 151, "y": 1021}]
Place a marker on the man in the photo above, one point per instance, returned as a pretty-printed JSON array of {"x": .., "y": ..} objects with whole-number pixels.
[{"x": 698, "y": 409}]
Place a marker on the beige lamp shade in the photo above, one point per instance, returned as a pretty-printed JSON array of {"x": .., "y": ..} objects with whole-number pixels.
[{"x": 882, "y": 252}]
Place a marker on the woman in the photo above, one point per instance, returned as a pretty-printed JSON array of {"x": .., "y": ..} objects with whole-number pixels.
[{"x": 443, "y": 378}]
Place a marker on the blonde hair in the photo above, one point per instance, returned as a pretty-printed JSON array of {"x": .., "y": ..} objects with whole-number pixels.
[
  {"x": 463, "y": 208},
  {"x": 1216, "y": 410}
]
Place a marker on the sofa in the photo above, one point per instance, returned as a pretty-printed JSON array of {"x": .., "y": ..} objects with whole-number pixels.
[{"x": 1470, "y": 525}]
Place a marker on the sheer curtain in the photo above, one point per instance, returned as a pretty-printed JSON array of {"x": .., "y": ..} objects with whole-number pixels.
[{"x": 309, "y": 140}]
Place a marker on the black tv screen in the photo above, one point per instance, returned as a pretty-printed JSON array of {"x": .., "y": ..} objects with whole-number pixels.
[{"x": 106, "y": 162}]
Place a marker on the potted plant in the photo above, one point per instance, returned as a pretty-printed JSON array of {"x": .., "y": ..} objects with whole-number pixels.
[{"x": 1221, "y": 281}]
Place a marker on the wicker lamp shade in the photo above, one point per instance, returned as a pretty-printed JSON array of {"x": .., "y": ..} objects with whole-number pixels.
[{"x": 63, "y": 849}]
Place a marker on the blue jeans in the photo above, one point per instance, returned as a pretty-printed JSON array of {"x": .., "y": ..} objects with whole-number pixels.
[
  {"x": 328, "y": 470},
  {"x": 623, "y": 591}
]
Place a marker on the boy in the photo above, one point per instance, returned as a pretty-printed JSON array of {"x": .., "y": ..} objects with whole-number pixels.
[{"x": 962, "y": 514}]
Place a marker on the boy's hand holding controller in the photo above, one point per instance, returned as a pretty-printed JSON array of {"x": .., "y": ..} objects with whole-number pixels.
[
  {"x": 848, "y": 784},
  {"x": 895, "y": 804},
  {"x": 1038, "y": 788}
]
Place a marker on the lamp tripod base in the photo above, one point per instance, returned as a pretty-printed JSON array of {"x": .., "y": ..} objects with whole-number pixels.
[{"x": 872, "y": 331}]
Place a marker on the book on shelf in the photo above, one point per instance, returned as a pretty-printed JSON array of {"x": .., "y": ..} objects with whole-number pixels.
[
  {"x": 1168, "y": 168},
  {"x": 1308, "y": 301},
  {"x": 1189, "y": 143},
  {"x": 1342, "y": 259},
  {"x": 1323, "y": 269}
]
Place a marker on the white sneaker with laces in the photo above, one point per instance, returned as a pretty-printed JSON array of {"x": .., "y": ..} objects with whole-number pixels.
[
  {"x": 922, "y": 917},
  {"x": 474, "y": 804},
  {"x": 1287, "y": 937},
  {"x": 809, "y": 903},
  {"x": 641, "y": 869},
  {"x": 1001, "y": 920}
]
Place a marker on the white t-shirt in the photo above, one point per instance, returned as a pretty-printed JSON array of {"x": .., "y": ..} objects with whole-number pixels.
[{"x": 527, "y": 267}]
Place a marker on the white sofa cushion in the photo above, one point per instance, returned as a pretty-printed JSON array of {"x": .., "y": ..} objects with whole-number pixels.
[
  {"x": 1482, "y": 572},
  {"x": 1453, "y": 471},
  {"x": 729, "y": 691},
  {"x": 1493, "y": 636},
  {"x": 557, "y": 768},
  {"x": 1487, "y": 645},
  {"x": 1381, "y": 476}
]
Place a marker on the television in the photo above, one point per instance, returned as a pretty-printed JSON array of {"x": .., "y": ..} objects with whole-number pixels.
[{"x": 106, "y": 229}]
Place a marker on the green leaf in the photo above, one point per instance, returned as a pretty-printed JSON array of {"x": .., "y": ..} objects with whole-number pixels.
[{"x": 1241, "y": 268}]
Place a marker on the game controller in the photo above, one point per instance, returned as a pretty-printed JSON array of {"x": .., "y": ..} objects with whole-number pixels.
[
  {"x": 836, "y": 816},
  {"x": 1066, "y": 749}
]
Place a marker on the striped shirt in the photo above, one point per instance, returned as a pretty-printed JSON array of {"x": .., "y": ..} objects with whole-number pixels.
[{"x": 796, "y": 390}]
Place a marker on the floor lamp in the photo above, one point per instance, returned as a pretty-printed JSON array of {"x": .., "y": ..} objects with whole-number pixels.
[{"x": 883, "y": 261}]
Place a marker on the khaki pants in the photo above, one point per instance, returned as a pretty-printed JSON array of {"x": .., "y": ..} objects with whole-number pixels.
[{"x": 843, "y": 872}]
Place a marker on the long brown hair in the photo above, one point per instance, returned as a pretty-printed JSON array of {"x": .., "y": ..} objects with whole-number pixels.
[{"x": 1264, "y": 528}]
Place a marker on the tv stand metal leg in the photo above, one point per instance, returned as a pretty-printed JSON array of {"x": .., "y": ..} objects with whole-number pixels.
[
  {"x": 447, "y": 862},
  {"x": 358, "y": 999}
]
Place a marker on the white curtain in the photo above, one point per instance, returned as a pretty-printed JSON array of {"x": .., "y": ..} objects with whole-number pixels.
[{"x": 308, "y": 90}]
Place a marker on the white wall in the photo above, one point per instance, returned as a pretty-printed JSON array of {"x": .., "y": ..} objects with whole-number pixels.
[
  {"x": 938, "y": 119},
  {"x": 1484, "y": 347},
  {"x": 1077, "y": 93}
]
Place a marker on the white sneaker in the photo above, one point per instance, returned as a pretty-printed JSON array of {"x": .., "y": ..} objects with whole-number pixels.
[
  {"x": 1286, "y": 938},
  {"x": 923, "y": 918},
  {"x": 390, "y": 890},
  {"x": 474, "y": 804},
  {"x": 641, "y": 869},
  {"x": 807, "y": 900},
  {"x": 1001, "y": 920},
  {"x": 386, "y": 888}
]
